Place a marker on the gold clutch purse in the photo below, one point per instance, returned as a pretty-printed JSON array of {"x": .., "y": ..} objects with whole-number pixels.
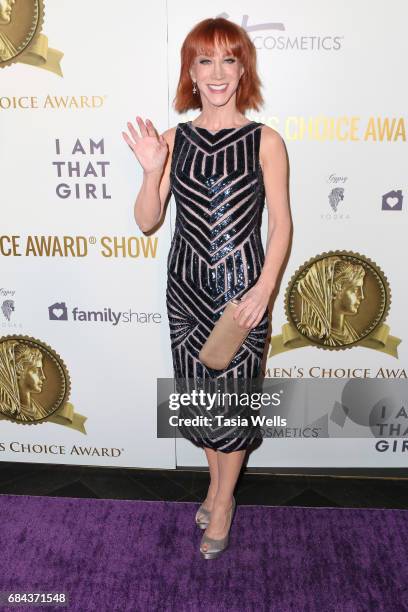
[{"x": 224, "y": 340}]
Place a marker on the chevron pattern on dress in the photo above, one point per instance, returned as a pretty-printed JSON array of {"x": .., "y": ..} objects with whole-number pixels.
[{"x": 216, "y": 252}]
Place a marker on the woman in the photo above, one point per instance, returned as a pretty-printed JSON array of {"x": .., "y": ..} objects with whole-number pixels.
[{"x": 219, "y": 168}]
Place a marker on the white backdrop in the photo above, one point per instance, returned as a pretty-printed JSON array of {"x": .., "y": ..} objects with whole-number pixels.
[{"x": 316, "y": 63}]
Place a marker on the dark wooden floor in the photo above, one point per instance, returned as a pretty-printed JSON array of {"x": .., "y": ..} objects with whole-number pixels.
[{"x": 191, "y": 485}]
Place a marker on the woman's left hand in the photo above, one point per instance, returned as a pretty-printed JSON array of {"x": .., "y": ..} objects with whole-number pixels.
[{"x": 252, "y": 306}]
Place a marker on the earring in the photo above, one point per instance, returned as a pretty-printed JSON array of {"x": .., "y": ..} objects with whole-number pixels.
[{"x": 194, "y": 88}]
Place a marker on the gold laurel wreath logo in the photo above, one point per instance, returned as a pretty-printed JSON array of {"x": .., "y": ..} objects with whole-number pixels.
[
  {"x": 21, "y": 39},
  {"x": 334, "y": 301},
  {"x": 35, "y": 384}
]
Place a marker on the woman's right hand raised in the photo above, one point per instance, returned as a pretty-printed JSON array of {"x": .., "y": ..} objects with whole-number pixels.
[{"x": 150, "y": 148}]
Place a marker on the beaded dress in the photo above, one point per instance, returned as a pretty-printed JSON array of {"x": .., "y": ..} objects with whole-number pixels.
[{"x": 216, "y": 254}]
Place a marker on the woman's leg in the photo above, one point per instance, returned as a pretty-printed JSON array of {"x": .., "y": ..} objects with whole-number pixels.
[
  {"x": 229, "y": 466},
  {"x": 213, "y": 487}
]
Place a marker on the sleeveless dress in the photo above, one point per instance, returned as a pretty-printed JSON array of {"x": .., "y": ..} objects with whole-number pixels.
[{"x": 216, "y": 254}]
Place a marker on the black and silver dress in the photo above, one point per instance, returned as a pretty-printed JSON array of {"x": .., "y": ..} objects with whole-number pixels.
[{"x": 216, "y": 254}]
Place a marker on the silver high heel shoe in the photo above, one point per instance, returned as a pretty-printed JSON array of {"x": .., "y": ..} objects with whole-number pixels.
[
  {"x": 202, "y": 518},
  {"x": 216, "y": 547}
]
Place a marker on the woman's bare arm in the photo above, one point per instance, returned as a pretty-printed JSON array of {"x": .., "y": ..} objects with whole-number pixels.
[{"x": 274, "y": 165}]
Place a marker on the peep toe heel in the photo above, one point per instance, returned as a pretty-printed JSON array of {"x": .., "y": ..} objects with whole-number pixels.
[{"x": 216, "y": 547}]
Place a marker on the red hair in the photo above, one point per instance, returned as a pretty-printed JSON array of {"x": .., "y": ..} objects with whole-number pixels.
[{"x": 202, "y": 40}]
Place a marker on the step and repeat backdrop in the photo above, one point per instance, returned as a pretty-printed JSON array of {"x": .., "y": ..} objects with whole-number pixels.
[{"x": 84, "y": 328}]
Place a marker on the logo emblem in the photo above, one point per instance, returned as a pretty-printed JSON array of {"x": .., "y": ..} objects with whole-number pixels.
[
  {"x": 21, "y": 39},
  {"x": 35, "y": 384},
  {"x": 335, "y": 301},
  {"x": 392, "y": 200},
  {"x": 58, "y": 312}
]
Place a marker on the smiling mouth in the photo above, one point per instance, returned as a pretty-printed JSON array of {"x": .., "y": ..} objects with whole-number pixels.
[{"x": 218, "y": 88}]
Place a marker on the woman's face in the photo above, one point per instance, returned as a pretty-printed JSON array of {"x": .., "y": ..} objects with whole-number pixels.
[
  {"x": 217, "y": 76},
  {"x": 350, "y": 297},
  {"x": 34, "y": 377},
  {"x": 6, "y": 6}
]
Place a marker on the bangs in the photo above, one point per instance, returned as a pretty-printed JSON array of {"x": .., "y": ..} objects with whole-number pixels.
[{"x": 207, "y": 42}]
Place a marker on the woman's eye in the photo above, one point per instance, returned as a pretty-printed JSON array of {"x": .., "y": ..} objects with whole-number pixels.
[{"x": 229, "y": 59}]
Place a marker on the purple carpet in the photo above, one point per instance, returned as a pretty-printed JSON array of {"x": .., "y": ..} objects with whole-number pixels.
[{"x": 110, "y": 555}]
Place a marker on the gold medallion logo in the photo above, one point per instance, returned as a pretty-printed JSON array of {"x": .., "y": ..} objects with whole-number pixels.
[
  {"x": 20, "y": 36},
  {"x": 335, "y": 301},
  {"x": 35, "y": 384}
]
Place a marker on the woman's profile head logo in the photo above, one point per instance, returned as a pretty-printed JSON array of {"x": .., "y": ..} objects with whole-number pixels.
[
  {"x": 7, "y": 47},
  {"x": 20, "y": 24},
  {"x": 337, "y": 299},
  {"x": 21, "y": 39},
  {"x": 34, "y": 381},
  {"x": 331, "y": 291}
]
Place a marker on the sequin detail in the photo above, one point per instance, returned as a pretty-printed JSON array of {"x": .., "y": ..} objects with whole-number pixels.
[{"x": 216, "y": 253}]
